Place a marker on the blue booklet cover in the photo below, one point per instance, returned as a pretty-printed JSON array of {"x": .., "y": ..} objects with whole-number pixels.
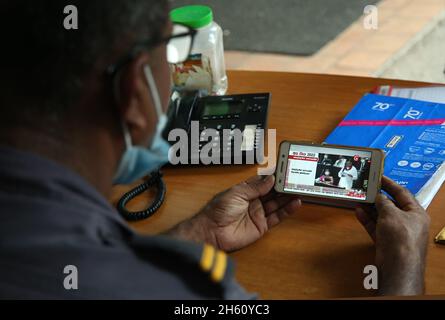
[{"x": 412, "y": 134}]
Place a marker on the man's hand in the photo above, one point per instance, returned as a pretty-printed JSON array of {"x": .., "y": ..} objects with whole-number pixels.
[
  {"x": 400, "y": 234},
  {"x": 239, "y": 216}
]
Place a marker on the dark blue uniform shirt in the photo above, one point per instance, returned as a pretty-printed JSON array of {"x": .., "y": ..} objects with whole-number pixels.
[{"x": 51, "y": 218}]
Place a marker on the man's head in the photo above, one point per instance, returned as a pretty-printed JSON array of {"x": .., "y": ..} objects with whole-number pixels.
[
  {"x": 56, "y": 77},
  {"x": 348, "y": 165}
]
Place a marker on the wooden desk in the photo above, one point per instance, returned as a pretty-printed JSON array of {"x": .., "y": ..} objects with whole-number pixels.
[{"x": 321, "y": 252}]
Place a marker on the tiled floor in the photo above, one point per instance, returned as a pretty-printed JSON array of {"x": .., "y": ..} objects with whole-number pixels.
[{"x": 356, "y": 51}]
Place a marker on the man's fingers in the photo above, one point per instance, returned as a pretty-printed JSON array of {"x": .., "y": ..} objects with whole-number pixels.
[
  {"x": 366, "y": 221},
  {"x": 370, "y": 211},
  {"x": 277, "y": 203},
  {"x": 255, "y": 187},
  {"x": 276, "y": 217},
  {"x": 272, "y": 194},
  {"x": 384, "y": 205},
  {"x": 404, "y": 199}
]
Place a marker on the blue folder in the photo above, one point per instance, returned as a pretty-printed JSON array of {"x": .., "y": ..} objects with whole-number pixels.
[{"x": 410, "y": 132}]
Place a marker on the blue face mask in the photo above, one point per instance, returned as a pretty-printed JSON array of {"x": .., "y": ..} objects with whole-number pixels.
[{"x": 137, "y": 161}]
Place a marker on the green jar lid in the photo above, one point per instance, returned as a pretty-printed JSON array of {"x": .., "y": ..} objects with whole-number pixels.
[{"x": 192, "y": 16}]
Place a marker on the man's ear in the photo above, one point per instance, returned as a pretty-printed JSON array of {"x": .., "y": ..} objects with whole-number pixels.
[{"x": 135, "y": 103}]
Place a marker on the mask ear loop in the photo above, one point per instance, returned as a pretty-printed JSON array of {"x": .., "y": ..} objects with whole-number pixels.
[
  {"x": 127, "y": 136},
  {"x": 153, "y": 90},
  {"x": 117, "y": 96}
]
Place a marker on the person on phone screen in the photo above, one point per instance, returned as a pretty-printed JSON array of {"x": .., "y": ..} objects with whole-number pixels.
[
  {"x": 326, "y": 178},
  {"x": 347, "y": 176},
  {"x": 326, "y": 161},
  {"x": 340, "y": 163}
]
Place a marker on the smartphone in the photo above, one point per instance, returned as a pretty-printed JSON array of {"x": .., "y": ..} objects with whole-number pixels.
[{"x": 329, "y": 174}]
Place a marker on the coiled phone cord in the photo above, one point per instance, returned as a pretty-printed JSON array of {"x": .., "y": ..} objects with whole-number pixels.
[{"x": 154, "y": 180}]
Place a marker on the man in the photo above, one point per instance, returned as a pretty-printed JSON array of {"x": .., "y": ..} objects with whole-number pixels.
[
  {"x": 325, "y": 178},
  {"x": 340, "y": 163},
  {"x": 326, "y": 161},
  {"x": 71, "y": 125},
  {"x": 347, "y": 176}
]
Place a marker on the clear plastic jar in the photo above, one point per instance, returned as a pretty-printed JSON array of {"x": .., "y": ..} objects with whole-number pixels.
[{"x": 205, "y": 68}]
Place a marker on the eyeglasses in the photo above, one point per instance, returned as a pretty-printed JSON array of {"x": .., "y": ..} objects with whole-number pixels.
[
  {"x": 180, "y": 44},
  {"x": 179, "y": 47}
]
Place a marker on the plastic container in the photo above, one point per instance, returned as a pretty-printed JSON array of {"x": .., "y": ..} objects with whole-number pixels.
[{"x": 205, "y": 69}]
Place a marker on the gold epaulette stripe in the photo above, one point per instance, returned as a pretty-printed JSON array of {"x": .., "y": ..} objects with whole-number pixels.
[
  {"x": 220, "y": 266},
  {"x": 213, "y": 261},
  {"x": 208, "y": 255}
]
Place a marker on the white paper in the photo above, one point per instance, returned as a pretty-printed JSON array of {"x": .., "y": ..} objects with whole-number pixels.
[{"x": 430, "y": 94}]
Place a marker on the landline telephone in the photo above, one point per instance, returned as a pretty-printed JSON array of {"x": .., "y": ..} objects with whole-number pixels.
[
  {"x": 223, "y": 116},
  {"x": 212, "y": 122}
]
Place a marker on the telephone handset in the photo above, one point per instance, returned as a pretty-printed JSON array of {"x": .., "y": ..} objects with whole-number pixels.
[{"x": 180, "y": 110}]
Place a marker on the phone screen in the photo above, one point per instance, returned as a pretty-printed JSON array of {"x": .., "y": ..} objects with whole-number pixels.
[{"x": 329, "y": 172}]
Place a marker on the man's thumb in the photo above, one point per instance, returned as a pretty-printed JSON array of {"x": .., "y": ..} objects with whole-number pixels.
[{"x": 261, "y": 184}]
